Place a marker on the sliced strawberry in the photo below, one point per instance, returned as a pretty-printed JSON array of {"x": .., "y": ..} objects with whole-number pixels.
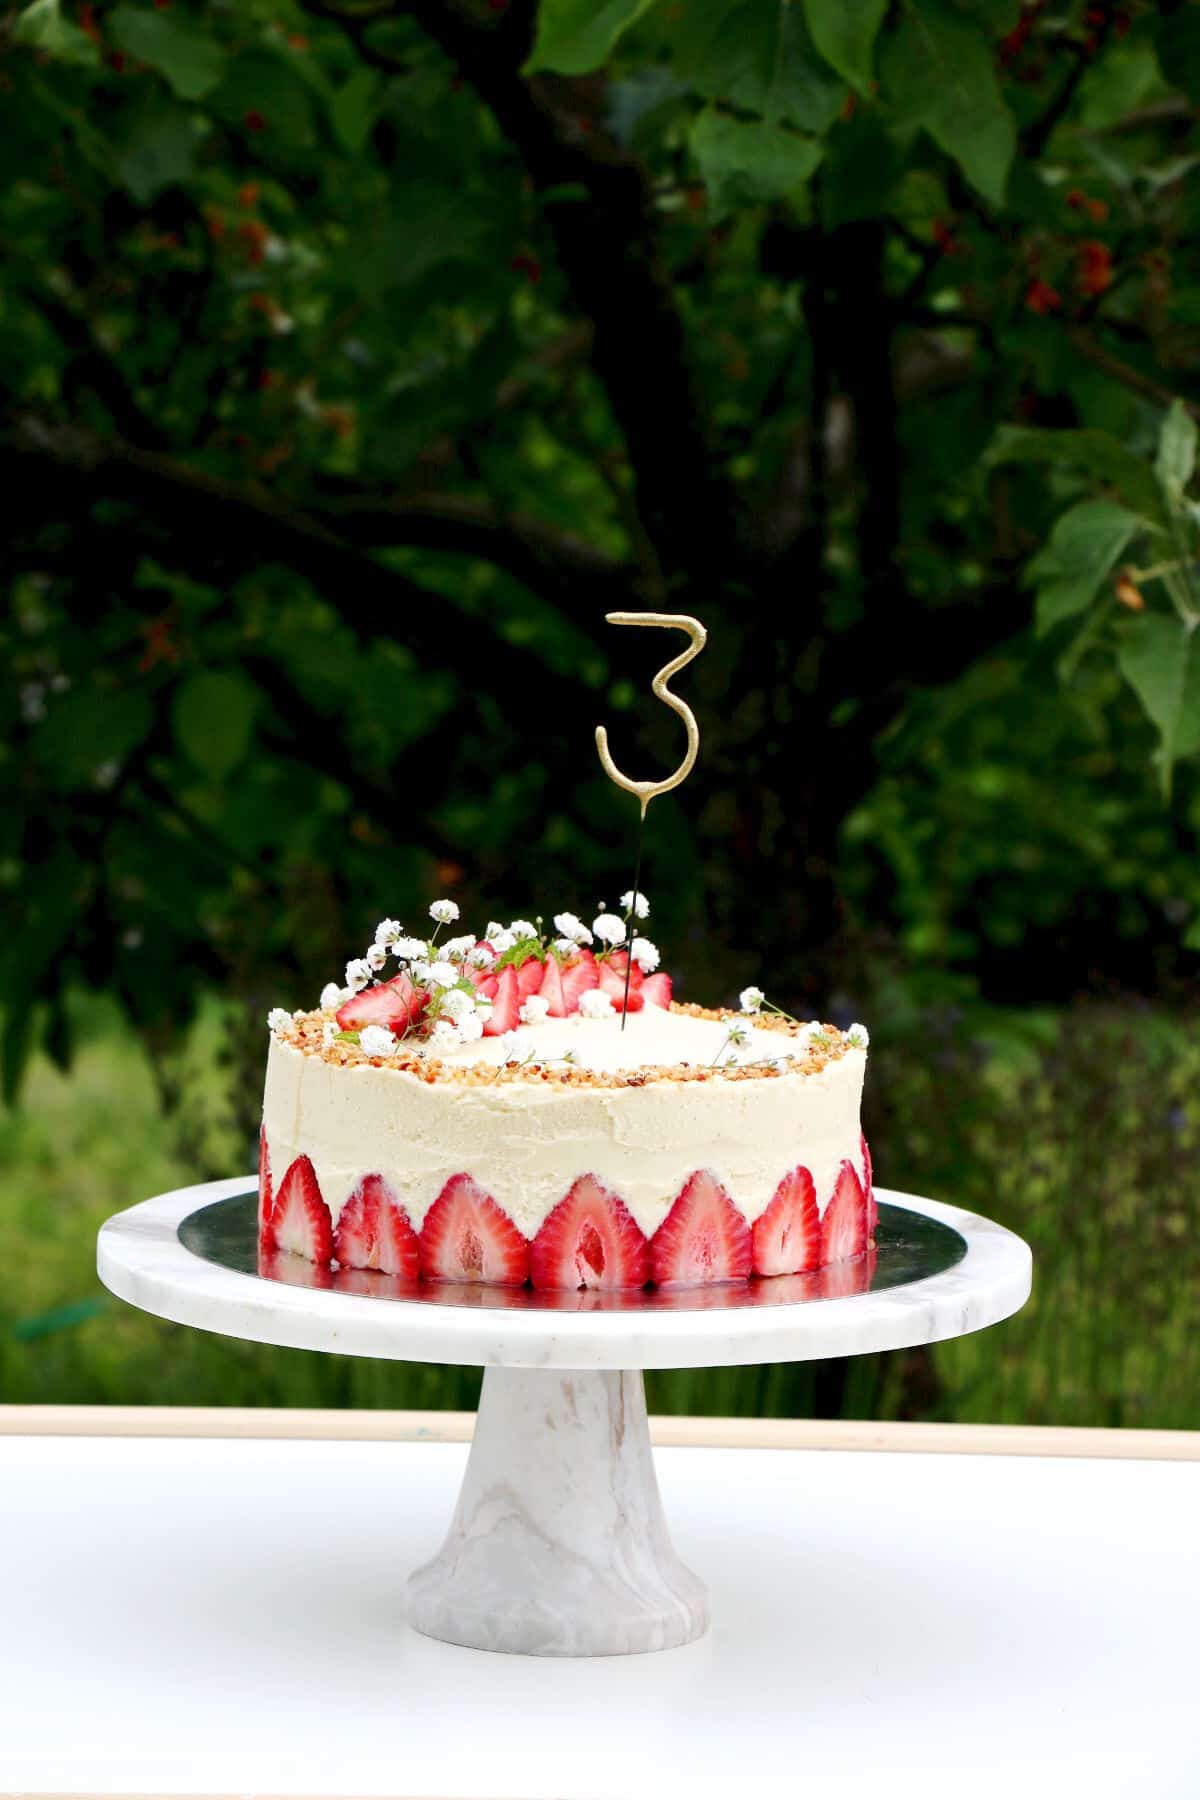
[
  {"x": 703, "y": 1237},
  {"x": 840, "y": 1281},
  {"x": 844, "y": 1227},
  {"x": 578, "y": 976},
  {"x": 266, "y": 1231},
  {"x": 787, "y": 1237},
  {"x": 619, "y": 960},
  {"x": 466, "y": 1237},
  {"x": 373, "y": 1232},
  {"x": 395, "y": 1003},
  {"x": 551, "y": 989},
  {"x": 529, "y": 977},
  {"x": 656, "y": 990},
  {"x": 590, "y": 1240},
  {"x": 869, "y": 1185},
  {"x": 611, "y": 982},
  {"x": 506, "y": 1005},
  {"x": 302, "y": 1223},
  {"x": 488, "y": 986}
]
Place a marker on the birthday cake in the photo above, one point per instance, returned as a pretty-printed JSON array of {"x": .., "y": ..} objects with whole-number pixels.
[{"x": 533, "y": 1107}]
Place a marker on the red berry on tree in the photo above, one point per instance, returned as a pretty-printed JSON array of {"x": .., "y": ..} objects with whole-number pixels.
[
  {"x": 1040, "y": 297},
  {"x": 254, "y": 121}
]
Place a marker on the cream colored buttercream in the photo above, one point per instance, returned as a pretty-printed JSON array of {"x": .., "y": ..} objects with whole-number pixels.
[{"x": 527, "y": 1141}]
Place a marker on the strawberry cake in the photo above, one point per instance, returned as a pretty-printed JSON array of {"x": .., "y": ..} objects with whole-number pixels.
[{"x": 525, "y": 1107}]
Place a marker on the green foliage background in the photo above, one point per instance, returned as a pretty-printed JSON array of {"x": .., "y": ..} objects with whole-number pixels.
[{"x": 357, "y": 360}]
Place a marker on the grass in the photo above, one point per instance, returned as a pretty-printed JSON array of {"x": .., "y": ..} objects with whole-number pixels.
[{"x": 1081, "y": 1132}]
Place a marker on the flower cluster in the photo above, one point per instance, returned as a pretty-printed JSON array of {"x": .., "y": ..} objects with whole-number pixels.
[{"x": 439, "y": 990}]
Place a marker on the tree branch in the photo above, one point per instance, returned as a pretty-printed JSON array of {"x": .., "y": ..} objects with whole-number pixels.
[
  {"x": 608, "y": 250},
  {"x": 217, "y": 526}
]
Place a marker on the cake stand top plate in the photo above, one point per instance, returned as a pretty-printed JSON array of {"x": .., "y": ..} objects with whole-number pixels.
[{"x": 143, "y": 1258}]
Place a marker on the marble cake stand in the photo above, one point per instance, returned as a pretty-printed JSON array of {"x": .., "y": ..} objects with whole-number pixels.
[{"x": 558, "y": 1545}]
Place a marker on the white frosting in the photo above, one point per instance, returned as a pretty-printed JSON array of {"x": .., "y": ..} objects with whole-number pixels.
[{"x": 527, "y": 1141}]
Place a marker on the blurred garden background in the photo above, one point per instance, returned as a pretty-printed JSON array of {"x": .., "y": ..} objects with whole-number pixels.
[{"x": 356, "y": 359}]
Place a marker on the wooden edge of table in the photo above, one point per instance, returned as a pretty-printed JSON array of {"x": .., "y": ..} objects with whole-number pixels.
[{"x": 665, "y": 1429}]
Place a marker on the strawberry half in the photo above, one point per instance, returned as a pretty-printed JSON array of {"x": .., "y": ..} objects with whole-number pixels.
[
  {"x": 869, "y": 1185},
  {"x": 551, "y": 989},
  {"x": 611, "y": 981},
  {"x": 506, "y": 1005},
  {"x": 529, "y": 977},
  {"x": 466, "y": 1237},
  {"x": 703, "y": 1237},
  {"x": 395, "y": 1003},
  {"x": 590, "y": 1240},
  {"x": 787, "y": 1237},
  {"x": 301, "y": 1222},
  {"x": 656, "y": 990},
  {"x": 373, "y": 1232},
  {"x": 844, "y": 1227},
  {"x": 266, "y": 1233},
  {"x": 578, "y": 976}
]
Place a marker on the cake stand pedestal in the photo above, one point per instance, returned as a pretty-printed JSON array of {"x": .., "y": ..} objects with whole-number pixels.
[{"x": 558, "y": 1545}]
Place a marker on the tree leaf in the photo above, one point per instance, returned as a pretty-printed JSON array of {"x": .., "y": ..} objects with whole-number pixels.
[
  {"x": 1094, "y": 453},
  {"x": 759, "y": 57},
  {"x": 1083, "y": 547},
  {"x": 42, "y": 27},
  {"x": 1176, "y": 450},
  {"x": 352, "y": 109},
  {"x": 844, "y": 32},
  {"x": 940, "y": 71},
  {"x": 744, "y": 162},
  {"x": 575, "y": 36},
  {"x": 187, "y": 58},
  {"x": 158, "y": 151},
  {"x": 88, "y": 731},
  {"x": 212, "y": 717},
  {"x": 1160, "y": 660}
]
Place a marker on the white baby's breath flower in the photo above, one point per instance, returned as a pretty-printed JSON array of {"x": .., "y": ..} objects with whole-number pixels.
[
  {"x": 444, "y": 911},
  {"x": 376, "y": 956},
  {"x": 443, "y": 974},
  {"x": 595, "y": 1004},
  {"x": 407, "y": 948},
  {"x": 457, "y": 1003},
  {"x": 444, "y": 1035},
  {"x": 750, "y": 999},
  {"x": 376, "y": 1040},
  {"x": 419, "y": 971},
  {"x": 571, "y": 927},
  {"x": 456, "y": 948},
  {"x": 358, "y": 973},
  {"x": 608, "y": 928},
  {"x": 859, "y": 1036},
  {"x": 331, "y": 996},
  {"x": 483, "y": 1005},
  {"x": 535, "y": 1010},
  {"x": 329, "y": 1031},
  {"x": 522, "y": 928},
  {"x": 637, "y": 904},
  {"x": 470, "y": 1029},
  {"x": 500, "y": 940},
  {"x": 644, "y": 954},
  {"x": 482, "y": 957},
  {"x": 387, "y": 932},
  {"x": 278, "y": 1019},
  {"x": 510, "y": 1047},
  {"x": 565, "y": 946},
  {"x": 739, "y": 1034}
]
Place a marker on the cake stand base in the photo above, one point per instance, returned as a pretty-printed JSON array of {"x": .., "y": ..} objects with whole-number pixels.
[{"x": 558, "y": 1546}]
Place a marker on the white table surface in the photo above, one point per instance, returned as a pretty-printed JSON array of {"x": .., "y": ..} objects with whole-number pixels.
[{"x": 222, "y": 1616}]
